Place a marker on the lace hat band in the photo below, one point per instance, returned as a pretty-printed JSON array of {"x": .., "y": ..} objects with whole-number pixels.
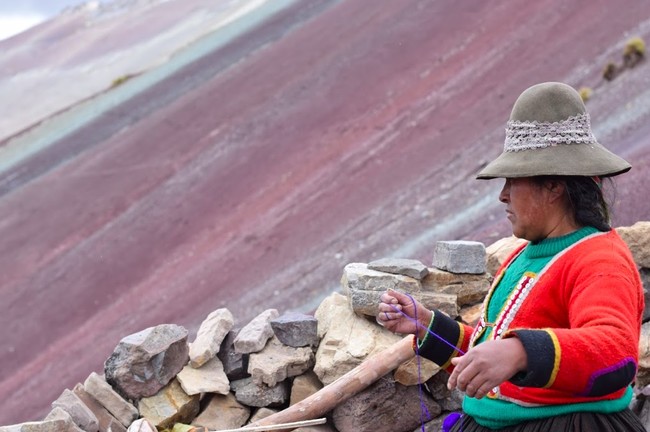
[{"x": 527, "y": 135}]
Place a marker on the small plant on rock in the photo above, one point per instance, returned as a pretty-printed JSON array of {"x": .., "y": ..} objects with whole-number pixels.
[
  {"x": 585, "y": 93},
  {"x": 610, "y": 71},
  {"x": 120, "y": 80},
  {"x": 633, "y": 52}
]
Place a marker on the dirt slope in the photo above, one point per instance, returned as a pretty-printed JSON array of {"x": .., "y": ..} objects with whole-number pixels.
[{"x": 338, "y": 133}]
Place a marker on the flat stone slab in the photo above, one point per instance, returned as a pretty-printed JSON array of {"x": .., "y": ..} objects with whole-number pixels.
[
  {"x": 80, "y": 413},
  {"x": 277, "y": 362},
  {"x": 169, "y": 406},
  {"x": 107, "y": 423},
  {"x": 222, "y": 412},
  {"x": 260, "y": 395},
  {"x": 256, "y": 333},
  {"x": 57, "y": 420},
  {"x": 210, "y": 336},
  {"x": 400, "y": 266},
  {"x": 122, "y": 410},
  {"x": 209, "y": 378}
]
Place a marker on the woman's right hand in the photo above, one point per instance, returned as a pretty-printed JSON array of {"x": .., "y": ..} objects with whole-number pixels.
[{"x": 389, "y": 316}]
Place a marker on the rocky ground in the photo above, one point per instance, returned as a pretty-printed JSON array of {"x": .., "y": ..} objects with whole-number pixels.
[{"x": 248, "y": 174}]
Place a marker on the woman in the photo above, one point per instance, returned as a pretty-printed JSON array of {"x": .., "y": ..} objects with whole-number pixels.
[{"x": 556, "y": 347}]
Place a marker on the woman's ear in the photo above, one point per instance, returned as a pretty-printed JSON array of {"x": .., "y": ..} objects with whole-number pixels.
[{"x": 556, "y": 189}]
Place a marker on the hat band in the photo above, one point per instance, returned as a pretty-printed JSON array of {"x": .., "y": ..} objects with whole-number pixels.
[{"x": 528, "y": 135}]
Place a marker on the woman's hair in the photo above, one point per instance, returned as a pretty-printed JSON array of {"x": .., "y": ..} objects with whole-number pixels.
[{"x": 586, "y": 199}]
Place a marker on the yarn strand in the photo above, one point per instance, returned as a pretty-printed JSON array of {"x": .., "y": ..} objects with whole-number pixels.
[
  {"x": 425, "y": 415},
  {"x": 424, "y": 412}
]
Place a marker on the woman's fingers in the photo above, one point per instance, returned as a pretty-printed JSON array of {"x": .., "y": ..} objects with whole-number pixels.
[
  {"x": 399, "y": 297},
  {"x": 465, "y": 376},
  {"x": 487, "y": 366}
]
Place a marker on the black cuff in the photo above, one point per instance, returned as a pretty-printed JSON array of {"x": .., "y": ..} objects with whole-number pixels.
[
  {"x": 541, "y": 352},
  {"x": 436, "y": 350}
]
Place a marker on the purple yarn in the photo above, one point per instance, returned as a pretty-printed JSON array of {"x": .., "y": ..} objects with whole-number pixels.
[
  {"x": 450, "y": 421},
  {"x": 417, "y": 324},
  {"x": 425, "y": 416}
]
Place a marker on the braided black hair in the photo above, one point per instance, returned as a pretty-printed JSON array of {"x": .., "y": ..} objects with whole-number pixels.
[{"x": 586, "y": 198}]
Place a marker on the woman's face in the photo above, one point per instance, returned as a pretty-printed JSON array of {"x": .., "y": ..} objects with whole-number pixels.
[{"x": 527, "y": 208}]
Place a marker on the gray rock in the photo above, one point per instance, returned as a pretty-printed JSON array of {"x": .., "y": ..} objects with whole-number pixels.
[
  {"x": 256, "y": 333},
  {"x": 57, "y": 420},
  {"x": 643, "y": 374},
  {"x": 222, "y": 412},
  {"x": 434, "y": 425},
  {"x": 644, "y": 415},
  {"x": 645, "y": 280},
  {"x": 449, "y": 400},
  {"x": 144, "y": 362},
  {"x": 400, "y": 266},
  {"x": 260, "y": 395},
  {"x": 277, "y": 362},
  {"x": 107, "y": 423},
  {"x": 468, "y": 288},
  {"x": 637, "y": 238},
  {"x": 364, "y": 287},
  {"x": 209, "y": 337},
  {"x": 169, "y": 406},
  {"x": 235, "y": 364},
  {"x": 460, "y": 256},
  {"x": 80, "y": 413},
  {"x": 296, "y": 329},
  {"x": 122, "y": 410},
  {"x": 385, "y": 406}
]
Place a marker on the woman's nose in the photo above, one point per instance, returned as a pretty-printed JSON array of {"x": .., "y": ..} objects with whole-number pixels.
[{"x": 504, "y": 196}]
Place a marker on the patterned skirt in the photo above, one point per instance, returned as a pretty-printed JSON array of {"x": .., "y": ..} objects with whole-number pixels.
[{"x": 623, "y": 421}]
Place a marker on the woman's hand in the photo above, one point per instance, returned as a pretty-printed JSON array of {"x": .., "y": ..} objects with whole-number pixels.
[
  {"x": 389, "y": 317},
  {"x": 487, "y": 365}
]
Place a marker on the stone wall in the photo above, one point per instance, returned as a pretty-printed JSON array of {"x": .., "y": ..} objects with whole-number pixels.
[{"x": 228, "y": 377}]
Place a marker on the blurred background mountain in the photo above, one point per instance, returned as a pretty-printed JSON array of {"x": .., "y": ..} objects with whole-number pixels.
[{"x": 162, "y": 159}]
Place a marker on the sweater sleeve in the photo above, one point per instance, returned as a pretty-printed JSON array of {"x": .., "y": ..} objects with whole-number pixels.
[
  {"x": 596, "y": 353},
  {"x": 445, "y": 339}
]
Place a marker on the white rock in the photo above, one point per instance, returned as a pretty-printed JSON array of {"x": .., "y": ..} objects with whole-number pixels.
[{"x": 209, "y": 337}]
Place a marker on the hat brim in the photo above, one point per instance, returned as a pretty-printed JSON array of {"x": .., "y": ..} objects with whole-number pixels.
[{"x": 562, "y": 159}]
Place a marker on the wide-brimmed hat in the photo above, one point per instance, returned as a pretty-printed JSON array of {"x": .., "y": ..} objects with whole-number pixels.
[{"x": 549, "y": 133}]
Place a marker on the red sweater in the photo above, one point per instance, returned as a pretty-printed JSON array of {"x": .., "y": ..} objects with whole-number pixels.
[{"x": 579, "y": 321}]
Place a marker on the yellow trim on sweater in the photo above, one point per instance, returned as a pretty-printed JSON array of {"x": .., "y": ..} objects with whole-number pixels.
[
  {"x": 556, "y": 361},
  {"x": 459, "y": 344}
]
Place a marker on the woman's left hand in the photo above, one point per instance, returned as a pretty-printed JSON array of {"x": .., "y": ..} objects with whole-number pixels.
[{"x": 487, "y": 365}]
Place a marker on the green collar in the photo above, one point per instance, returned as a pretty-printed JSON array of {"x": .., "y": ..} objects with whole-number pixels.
[{"x": 551, "y": 246}]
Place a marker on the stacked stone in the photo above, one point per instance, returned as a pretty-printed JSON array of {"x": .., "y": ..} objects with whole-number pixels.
[
  {"x": 456, "y": 283},
  {"x": 227, "y": 378}
]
